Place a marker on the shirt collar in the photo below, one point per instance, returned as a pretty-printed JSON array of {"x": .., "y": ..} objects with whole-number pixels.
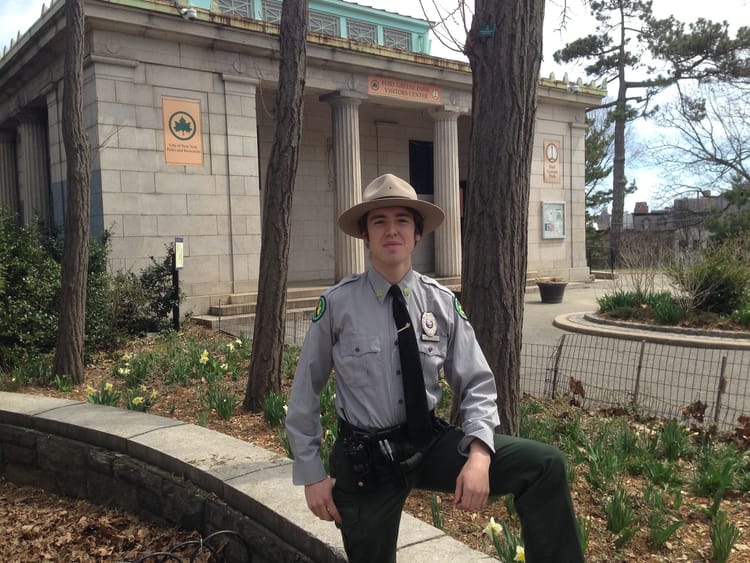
[{"x": 380, "y": 285}]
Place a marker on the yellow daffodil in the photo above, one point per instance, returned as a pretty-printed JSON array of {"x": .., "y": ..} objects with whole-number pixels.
[
  {"x": 230, "y": 346},
  {"x": 493, "y": 528},
  {"x": 143, "y": 388},
  {"x": 238, "y": 342},
  {"x": 108, "y": 386},
  {"x": 224, "y": 366},
  {"x": 520, "y": 553},
  {"x": 154, "y": 394},
  {"x": 137, "y": 400},
  {"x": 90, "y": 390},
  {"x": 204, "y": 357},
  {"x": 126, "y": 358}
]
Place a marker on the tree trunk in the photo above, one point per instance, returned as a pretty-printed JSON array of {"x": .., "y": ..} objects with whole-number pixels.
[
  {"x": 619, "y": 181},
  {"x": 268, "y": 334},
  {"x": 505, "y": 50},
  {"x": 71, "y": 330}
]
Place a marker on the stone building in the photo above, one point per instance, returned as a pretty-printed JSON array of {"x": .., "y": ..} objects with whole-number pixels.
[{"x": 179, "y": 109}]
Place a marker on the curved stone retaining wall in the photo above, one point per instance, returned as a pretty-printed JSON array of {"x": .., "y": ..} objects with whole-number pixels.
[{"x": 182, "y": 474}]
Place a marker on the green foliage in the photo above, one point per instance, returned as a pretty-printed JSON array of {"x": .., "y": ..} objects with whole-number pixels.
[
  {"x": 717, "y": 470},
  {"x": 723, "y": 537},
  {"x": 274, "y": 409},
  {"x": 34, "y": 371},
  {"x": 661, "y": 525},
  {"x": 437, "y": 517},
  {"x": 507, "y": 543},
  {"x": 612, "y": 302},
  {"x": 140, "y": 399},
  {"x": 105, "y": 395},
  {"x": 583, "y": 529},
  {"x": 156, "y": 280},
  {"x": 666, "y": 310},
  {"x": 28, "y": 304},
  {"x": 220, "y": 400},
  {"x": 63, "y": 383},
  {"x": 675, "y": 440},
  {"x": 718, "y": 283},
  {"x": 621, "y": 518}
]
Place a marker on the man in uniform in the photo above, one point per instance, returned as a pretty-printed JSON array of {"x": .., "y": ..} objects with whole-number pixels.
[{"x": 384, "y": 332}]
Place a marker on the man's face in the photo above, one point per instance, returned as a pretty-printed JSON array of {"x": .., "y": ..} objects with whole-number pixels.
[{"x": 391, "y": 236}]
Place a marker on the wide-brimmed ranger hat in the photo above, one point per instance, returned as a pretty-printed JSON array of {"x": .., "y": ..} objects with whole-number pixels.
[{"x": 390, "y": 191}]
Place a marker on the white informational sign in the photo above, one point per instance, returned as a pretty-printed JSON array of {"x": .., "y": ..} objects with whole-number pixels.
[{"x": 553, "y": 219}]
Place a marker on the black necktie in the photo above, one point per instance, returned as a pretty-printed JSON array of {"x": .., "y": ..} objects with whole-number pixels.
[{"x": 418, "y": 420}]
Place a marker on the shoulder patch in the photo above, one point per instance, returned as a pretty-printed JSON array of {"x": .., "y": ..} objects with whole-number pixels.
[
  {"x": 459, "y": 309},
  {"x": 319, "y": 310}
]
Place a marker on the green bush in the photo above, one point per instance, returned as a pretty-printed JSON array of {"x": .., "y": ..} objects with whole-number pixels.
[
  {"x": 719, "y": 282},
  {"x": 666, "y": 310},
  {"x": 28, "y": 304},
  {"x": 618, "y": 301}
]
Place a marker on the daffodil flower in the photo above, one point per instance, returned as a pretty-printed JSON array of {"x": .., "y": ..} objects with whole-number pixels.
[
  {"x": 230, "y": 346},
  {"x": 520, "y": 553},
  {"x": 238, "y": 342},
  {"x": 493, "y": 528},
  {"x": 126, "y": 358},
  {"x": 108, "y": 386},
  {"x": 137, "y": 400},
  {"x": 154, "y": 394},
  {"x": 90, "y": 390},
  {"x": 224, "y": 366}
]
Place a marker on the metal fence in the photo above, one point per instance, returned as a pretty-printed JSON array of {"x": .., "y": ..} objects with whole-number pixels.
[{"x": 663, "y": 380}]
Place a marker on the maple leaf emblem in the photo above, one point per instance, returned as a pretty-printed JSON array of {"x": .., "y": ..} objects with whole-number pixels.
[{"x": 182, "y": 126}]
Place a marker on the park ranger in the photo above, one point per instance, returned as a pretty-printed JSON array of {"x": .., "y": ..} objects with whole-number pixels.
[{"x": 389, "y": 334}]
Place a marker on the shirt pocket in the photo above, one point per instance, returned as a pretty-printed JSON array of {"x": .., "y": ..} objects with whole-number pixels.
[
  {"x": 432, "y": 354},
  {"x": 360, "y": 360}
]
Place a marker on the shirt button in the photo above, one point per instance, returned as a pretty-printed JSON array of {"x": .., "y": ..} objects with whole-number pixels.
[
  {"x": 429, "y": 349},
  {"x": 395, "y": 342},
  {"x": 398, "y": 372},
  {"x": 356, "y": 349}
]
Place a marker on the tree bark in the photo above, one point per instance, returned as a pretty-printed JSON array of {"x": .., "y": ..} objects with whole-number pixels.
[
  {"x": 268, "y": 333},
  {"x": 69, "y": 352},
  {"x": 505, "y": 50}
]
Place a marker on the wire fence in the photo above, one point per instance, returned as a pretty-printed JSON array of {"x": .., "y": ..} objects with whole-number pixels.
[{"x": 701, "y": 385}]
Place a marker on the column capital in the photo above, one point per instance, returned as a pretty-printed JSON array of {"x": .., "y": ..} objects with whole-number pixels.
[
  {"x": 343, "y": 97},
  {"x": 448, "y": 112},
  {"x": 240, "y": 80}
]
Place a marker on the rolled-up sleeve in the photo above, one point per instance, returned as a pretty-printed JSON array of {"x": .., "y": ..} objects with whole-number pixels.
[
  {"x": 470, "y": 377},
  {"x": 303, "y": 410}
]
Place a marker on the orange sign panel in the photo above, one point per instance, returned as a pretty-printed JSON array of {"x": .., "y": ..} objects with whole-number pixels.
[
  {"x": 183, "y": 139},
  {"x": 404, "y": 90},
  {"x": 551, "y": 162}
]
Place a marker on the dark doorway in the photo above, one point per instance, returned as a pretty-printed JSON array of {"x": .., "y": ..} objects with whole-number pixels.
[{"x": 421, "y": 167}]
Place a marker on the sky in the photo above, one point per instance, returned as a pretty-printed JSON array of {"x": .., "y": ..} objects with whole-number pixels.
[{"x": 18, "y": 15}]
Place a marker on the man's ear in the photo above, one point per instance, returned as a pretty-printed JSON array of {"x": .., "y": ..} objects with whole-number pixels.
[{"x": 417, "y": 237}]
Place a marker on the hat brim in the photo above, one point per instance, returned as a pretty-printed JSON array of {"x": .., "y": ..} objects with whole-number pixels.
[{"x": 433, "y": 216}]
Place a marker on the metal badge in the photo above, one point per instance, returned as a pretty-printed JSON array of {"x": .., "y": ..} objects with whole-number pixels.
[{"x": 429, "y": 327}]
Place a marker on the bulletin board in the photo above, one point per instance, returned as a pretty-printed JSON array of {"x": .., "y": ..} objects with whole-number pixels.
[{"x": 553, "y": 220}]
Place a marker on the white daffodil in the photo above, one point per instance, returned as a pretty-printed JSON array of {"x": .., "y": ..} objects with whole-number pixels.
[
  {"x": 520, "y": 553},
  {"x": 493, "y": 528}
]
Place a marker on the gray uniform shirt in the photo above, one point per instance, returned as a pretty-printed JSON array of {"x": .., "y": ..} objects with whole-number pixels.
[{"x": 354, "y": 333}]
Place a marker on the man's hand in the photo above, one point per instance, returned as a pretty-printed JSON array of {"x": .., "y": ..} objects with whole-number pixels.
[
  {"x": 473, "y": 483},
  {"x": 319, "y": 498}
]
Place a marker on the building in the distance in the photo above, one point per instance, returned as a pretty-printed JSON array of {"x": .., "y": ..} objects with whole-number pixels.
[{"x": 179, "y": 108}]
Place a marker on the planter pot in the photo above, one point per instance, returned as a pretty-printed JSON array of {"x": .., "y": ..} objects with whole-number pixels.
[{"x": 551, "y": 292}]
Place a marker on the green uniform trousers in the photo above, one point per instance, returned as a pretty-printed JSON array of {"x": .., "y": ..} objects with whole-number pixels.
[{"x": 533, "y": 472}]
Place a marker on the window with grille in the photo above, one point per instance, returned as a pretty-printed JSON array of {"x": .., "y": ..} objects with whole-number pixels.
[
  {"x": 323, "y": 24},
  {"x": 242, "y": 8},
  {"x": 396, "y": 39},
  {"x": 361, "y": 31},
  {"x": 271, "y": 11}
]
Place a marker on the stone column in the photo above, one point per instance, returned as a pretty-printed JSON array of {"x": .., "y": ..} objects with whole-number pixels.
[
  {"x": 8, "y": 178},
  {"x": 448, "y": 236},
  {"x": 33, "y": 168},
  {"x": 350, "y": 256}
]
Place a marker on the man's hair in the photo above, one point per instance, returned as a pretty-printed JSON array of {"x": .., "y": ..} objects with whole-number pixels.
[{"x": 418, "y": 222}]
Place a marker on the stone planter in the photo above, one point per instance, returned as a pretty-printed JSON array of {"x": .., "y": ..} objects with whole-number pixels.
[{"x": 551, "y": 291}]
